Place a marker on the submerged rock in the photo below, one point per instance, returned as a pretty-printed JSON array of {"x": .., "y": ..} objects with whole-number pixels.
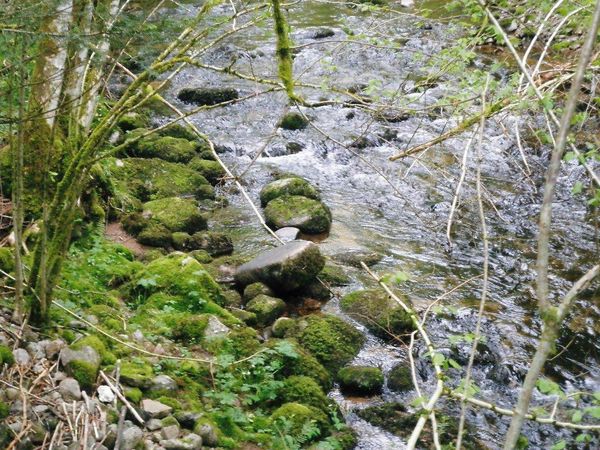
[
  {"x": 308, "y": 215},
  {"x": 284, "y": 268},
  {"x": 207, "y": 96},
  {"x": 361, "y": 380},
  {"x": 378, "y": 312},
  {"x": 287, "y": 186}
]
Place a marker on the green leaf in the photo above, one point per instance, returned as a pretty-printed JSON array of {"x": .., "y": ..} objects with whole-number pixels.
[
  {"x": 559, "y": 445},
  {"x": 577, "y": 416},
  {"x": 594, "y": 411},
  {"x": 438, "y": 359},
  {"x": 284, "y": 348},
  {"x": 454, "y": 363},
  {"x": 569, "y": 156},
  {"x": 583, "y": 438},
  {"x": 548, "y": 387}
]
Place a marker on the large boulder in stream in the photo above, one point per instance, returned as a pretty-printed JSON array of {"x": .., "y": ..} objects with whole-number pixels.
[
  {"x": 207, "y": 96},
  {"x": 284, "y": 268},
  {"x": 308, "y": 215},
  {"x": 361, "y": 380},
  {"x": 378, "y": 312},
  {"x": 287, "y": 186}
]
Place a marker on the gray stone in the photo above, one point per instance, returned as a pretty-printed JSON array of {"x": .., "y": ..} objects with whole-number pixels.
[
  {"x": 208, "y": 434},
  {"x": 187, "y": 419},
  {"x": 215, "y": 329},
  {"x": 40, "y": 409},
  {"x": 69, "y": 389},
  {"x": 131, "y": 437},
  {"x": 105, "y": 394},
  {"x": 154, "y": 424},
  {"x": 284, "y": 268},
  {"x": 154, "y": 409},
  {"x": 287, "y": 234},
  {"x": 21, "y": 356},
  {"x": 190, "y": 442},
  {"x": 163, "y": 383},
  {"x": 138, "y": 336},
  {"x": 170, "y": 432},
  {"x": 54, "y": 347},
  {"x": 36, "y": 350},
  {"x": 87, "y": 354}
]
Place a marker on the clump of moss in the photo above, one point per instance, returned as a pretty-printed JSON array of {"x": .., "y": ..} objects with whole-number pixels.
[
  {"x": 303, "y": 363},
  {"x": 84, "y": 372},
  {"x": 334, "y": 275},
  {"x": 303, "y": 389},
  {"x": 294, "y": 418},
  {"x": 207, "y": 96},
  {"x": 7, "y": 259},
  {"x": 361, "y": 380},
  {"x": 211, "y": 170},
  {"x": 308, "y": 215},
  {"x": 177, "y": 214},
  {"x": 282, "y": 327},
  {"x": 177, "y": 130},
  {"x": 6, "y": 356},
  {"x": 191, "y": 328},
  {"x": 97, "y": 344},
  {"x": 331, "y": 340},
  {"x": 166, "y": 147},
  {"x": 287, "y": 186},
  {"x": 133, "y": 394},
  {"x": 254, "y": 289},
  {"x": 136, "y": 373},
  {"x": 133, "y": 120},
  {"x": 241, "y": 343},
  {"x": 400, "y": 378},
  {"x": 293, "y": 121},
  {"x": 155, "y": 235},
  {"x": 378, "y": 312}
]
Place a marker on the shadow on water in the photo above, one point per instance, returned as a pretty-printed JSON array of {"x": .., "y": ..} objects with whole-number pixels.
[{"x": 406, "y": 223}]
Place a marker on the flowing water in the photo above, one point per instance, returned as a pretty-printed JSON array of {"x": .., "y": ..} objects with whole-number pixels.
[{"x": 403, "y": 216}]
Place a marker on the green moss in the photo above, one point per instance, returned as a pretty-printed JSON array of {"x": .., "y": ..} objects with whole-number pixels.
[
  {"x": 132, "y": 120},
  {"x": 303, "y": 364},
  {"x": 84, "y": 372},
  {"x": 168, "y": 421},
  {"x": 334, "y": 275},
  {"x": 136, "y": 373},
  {"x": 207, "y": 96},
  {"x": 287, "y": 186},
  {"x": 97, "y": 344},
  {"x": 6, "y": 356},
  {"x": 305, "y": 390},
  {"x": 177, "y": 214},
  {"x": 201, "y": 256},
  {"x": 361, "y": 380},
  {"x": 400, "y": 378},
  {"x": 177, "y": 130},
  {"x": 133, "y": 394},
  {"x": 254, "y": 289},
  {"x": 293, "y": 418},
  {"x": 151, "y": 179},
  {"x": 282, "y": 327},
  {"x": 308, "y": 215},
  {"x": 166, "y": 147},
  {"x": 170, "y": 401},
  {"x": 293, "y": 121},
  {"x": 214, "y": 243},
  {"x": 378, "y": 312},
  {"x": 242, "y": 343},
  {"x": 155, "y": 235},
  {"x": 7, "y": 259},
  {"x": 191, "y": 328},
  {"x": 266, "y": 308},
  {"x": 211, "y": 170},
  {"x": 331, "y": 340}
]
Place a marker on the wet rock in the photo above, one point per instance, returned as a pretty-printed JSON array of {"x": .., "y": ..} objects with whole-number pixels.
[
  {"x": 254, "y": 289},
  {"x": 361, "y": 380},
  {"x": 154, "y": 409},
  {"x": 105, "y": 394},
  {"x": 288, "y": 234},
  {"x": 287, "y": 186},
  {"x": 215, "y": 328},
  {"x": 69, "y": 389},
  {"x": 190, "y": 442},
  {"x": 284, "y": 268},
  {"x": 163, "y": 383},
  {"x": 308, "y": 215},
  {"x": 207, "y": 96},
  {"x": 377, "y": 311},
  {"x": 21, "y": 357},
  {"x": 323, "y": 33},
  {"x": 293, "y": 121},
  {"x": 266, "y": 308},
  {"x": 353, "y": 257},
  {"x": 400, "y": 378},
  {"x": 130, "y": 438}
]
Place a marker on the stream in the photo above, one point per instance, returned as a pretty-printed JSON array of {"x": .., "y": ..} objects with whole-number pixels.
[{"x": 404, "y": 219}]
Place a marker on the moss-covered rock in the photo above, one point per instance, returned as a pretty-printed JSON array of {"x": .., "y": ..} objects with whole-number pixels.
[
  {"x": 378, "y": 312},
  {"x": 303, "y": 389},
  {"x": 136, "y": 373},
  {"x": 133, "y": 120},
  {"x": 214, "y": 243},
  {"x": 133, "y": 394},
  {"x": 7, "y": 259},
  {"x": 334, "y": 275},
  {"x": 106, "y": 357},
  {"x": 400, "y": 378},
  {"x": 165, "y": 147},
  {"x": 331, "y": 340},
  {"x": 293, "y": 121},
  {"x": 308, "y": 215},
  {"x": 155, "y": 235},
  {"x": 266, "y": 308},
  {"x": 210, "y": 169},
  {"x": 287, "y": 186},
  {"x": 191, "y": 328},
  {"x": 241, "y": 343},
  {"x": 6, "y": 356},
  {"x": 177, "y": 214},
  {"x": 202, "y": 256},
  {"x": 303, "y": 363},
  {"x": 153, "y": 178},
  {"x": 282, "y": 327},
  {"x": 84, "y": 372},
  {"x": 254, "y": 289},
  {"x": 180, "y": 131},
  {"x": 294, "y": 418},
  {"x": 207, "y": 96},
  {"x": 361, "y": 380}
]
